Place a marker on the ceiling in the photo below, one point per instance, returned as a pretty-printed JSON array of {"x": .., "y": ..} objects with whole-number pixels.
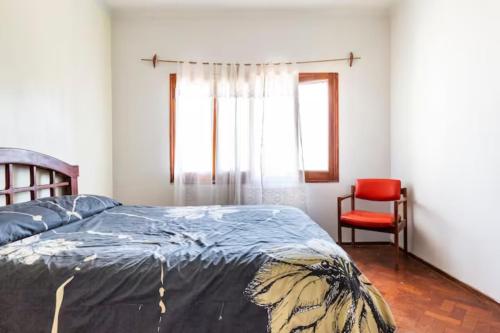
[{"x": 254, "y": 4}]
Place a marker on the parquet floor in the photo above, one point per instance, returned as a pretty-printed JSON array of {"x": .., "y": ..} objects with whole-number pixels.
[{"x": 423, "y": 300}]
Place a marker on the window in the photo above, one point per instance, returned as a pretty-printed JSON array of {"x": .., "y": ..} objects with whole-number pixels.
[{"x": 318, "y": 107}]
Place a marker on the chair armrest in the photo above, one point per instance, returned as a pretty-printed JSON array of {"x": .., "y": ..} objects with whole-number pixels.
[
  {"x": 342, "y": 198},
  {"x": 402, "y": 201},
  {"x": 339, "y": 204}
]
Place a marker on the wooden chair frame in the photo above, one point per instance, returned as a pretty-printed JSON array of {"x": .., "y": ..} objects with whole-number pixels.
[{"x": 400, "y": 222}]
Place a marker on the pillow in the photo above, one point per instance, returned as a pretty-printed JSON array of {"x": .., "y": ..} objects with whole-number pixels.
[
  {"x": 26, "y": 219},
  {"x": 76, "y": 207},
  {"x": 22, "y": 220}
]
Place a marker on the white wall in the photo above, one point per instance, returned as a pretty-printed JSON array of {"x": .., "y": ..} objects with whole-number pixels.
[
  {"x": 445, "y": 136},
  {"x": 55, "y": 84},
  {"x": 141, "y": 93}
]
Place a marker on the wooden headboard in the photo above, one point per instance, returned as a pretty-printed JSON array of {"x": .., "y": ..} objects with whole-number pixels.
[{"x": 61, "y": 174}]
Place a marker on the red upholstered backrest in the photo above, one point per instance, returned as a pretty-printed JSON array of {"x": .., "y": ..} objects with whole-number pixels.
[{"x": 378, "y": 189}]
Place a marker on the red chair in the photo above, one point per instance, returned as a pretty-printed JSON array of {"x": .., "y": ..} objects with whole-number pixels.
[{"x": 376, "y": 190}]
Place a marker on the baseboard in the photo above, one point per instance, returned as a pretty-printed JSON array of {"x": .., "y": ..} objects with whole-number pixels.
[
  {"x": 434, "y": 268},
  {"x": 454, "y": 279}
]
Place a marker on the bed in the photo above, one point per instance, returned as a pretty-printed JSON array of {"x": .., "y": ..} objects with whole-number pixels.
[{"x": 86, "y": 263}]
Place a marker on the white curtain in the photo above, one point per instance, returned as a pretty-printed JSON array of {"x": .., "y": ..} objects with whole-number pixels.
[{"x": 258, "y": 157}]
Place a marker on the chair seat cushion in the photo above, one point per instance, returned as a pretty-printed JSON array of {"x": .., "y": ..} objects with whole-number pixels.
[{"x": 361, "y": 218}]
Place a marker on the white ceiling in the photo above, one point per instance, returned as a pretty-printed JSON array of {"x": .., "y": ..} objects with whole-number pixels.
[{"x": 257, "y": 4}]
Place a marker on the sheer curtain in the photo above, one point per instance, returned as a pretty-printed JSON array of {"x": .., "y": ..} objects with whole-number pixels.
[{"x": 258, "y": 154}]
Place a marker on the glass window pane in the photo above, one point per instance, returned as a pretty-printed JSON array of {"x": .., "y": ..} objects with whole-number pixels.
[{"x": 314, "y": 117}]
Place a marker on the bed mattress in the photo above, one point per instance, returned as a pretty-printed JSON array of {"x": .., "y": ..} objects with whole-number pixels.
[{"x": 88, "y": 264}]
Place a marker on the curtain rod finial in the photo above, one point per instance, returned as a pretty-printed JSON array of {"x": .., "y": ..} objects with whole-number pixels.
[{"x": 154, "y": 60}]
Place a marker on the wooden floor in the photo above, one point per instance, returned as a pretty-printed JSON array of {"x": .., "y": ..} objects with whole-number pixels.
[{"x": 423, "y": 300}]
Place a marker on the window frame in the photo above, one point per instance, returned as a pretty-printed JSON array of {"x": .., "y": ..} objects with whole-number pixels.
[
  {"x": 173, "y": 83},
  {"x": 311, "y": 176},
  {"x": 332, "y": 175}
]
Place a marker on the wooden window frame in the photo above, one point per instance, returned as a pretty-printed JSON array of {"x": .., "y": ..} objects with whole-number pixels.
[
  {"x": 332, "y": 175},
  {"x": 311, "y": 176},
  {"x": 173, "y": 82}
]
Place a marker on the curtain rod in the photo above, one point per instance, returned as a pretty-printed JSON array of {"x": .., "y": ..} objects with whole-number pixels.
[{"x": 155, "y": 60}]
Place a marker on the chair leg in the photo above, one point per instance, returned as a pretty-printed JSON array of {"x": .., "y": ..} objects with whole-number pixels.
[
  {"x": 405, "y": 235},
  {"x": 353, "y": 237},
  {"x": 396, "y": 244}
]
